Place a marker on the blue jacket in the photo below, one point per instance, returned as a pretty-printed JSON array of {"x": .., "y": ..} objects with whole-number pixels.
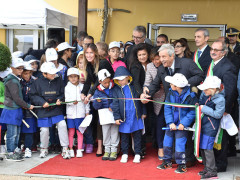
[
  {"x": 213, "y": 110},
  {"x": 118, "y": 105},
  {"x": 184, "y": 116},
  {"x": 103, "y": 93}
]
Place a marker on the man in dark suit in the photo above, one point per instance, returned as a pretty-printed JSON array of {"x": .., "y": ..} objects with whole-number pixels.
[
  {"x": 227, "y": 72},
  {"x": 202, "y": 54},
  {"x": 232, "y": 35},
  {"x": 170, "y": 66}
]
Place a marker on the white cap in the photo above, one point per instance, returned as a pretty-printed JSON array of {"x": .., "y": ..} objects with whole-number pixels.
[
  {"x": 210, "y": 82},
  {"x": 17, "y": 54},
  {"x": 120, "y": 78},
  {"x": 72, "y": 71},
  {"x": 28, "y": 66},
  {"x": 64, "y": 46},
  {"x": 177, "y": 79},
  {"x": 51, "y": 54},
  {"x": 48, "y": 67},
  {"x": 114, "y": 44},
  {"x": 228, "y": 124},
  {"x": 3, "y": 74},
  {"x": 103, "y": 74},
  {"x": 17, "y": 62}
]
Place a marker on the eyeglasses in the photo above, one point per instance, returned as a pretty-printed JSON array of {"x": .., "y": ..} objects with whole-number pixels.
[
  {"x": 216, "y": 50},
  {"x": 138, "y": 38},
  {"x": 177, "y": 46}
]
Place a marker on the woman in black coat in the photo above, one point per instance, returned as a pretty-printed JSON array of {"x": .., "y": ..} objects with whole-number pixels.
[{"x": 138, "y": 63}]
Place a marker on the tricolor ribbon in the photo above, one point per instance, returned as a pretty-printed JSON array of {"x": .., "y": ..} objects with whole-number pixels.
[{"x": 195, "y": 59}]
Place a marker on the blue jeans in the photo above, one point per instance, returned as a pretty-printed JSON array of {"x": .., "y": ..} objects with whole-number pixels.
[
  {"x": 88, "y": 135},
  {"x": 13, "y": 134},
  {"x": 137, "y": 137}
]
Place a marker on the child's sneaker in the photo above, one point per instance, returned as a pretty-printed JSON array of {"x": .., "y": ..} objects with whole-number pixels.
[
  {"x": 28, "y": 153},
  {"x": 71, "y": 151},
  {"x": 137, "y": 158},
  {"x": 43, "y": 153},
  {"x": 79, "y": 153},
  {"x": 209, "y": 175},
  {"x": 65, "y": 153},
  {"x": 106, "y": 156},
  {"x": 165, "y": 165},
  {"x": 113, "y": 156},
  {"x": 89, "y": 148},
  {"x": 181, "y": 168},
  {"x": 124, "y": 158},
  {"x": 14, "y": 157}
]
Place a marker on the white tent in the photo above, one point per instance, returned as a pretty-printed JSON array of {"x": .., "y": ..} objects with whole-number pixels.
[{"x": 32, "y": 14}]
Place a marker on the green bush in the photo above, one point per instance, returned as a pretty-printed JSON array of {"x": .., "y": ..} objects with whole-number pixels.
[{"x": 5, "y": 57}]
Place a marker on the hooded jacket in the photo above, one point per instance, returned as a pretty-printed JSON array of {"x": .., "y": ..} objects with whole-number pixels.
[
  {"x": 213, "y": 109},
  {"x": 102, "y": 92},
  {"x": 184, "y": 116},
  {"x": 118, "y": 106},
  {"x": 43, "y": 90},
  {"x": 73, "y": 93},
  {"x": 13, "y": 93}
]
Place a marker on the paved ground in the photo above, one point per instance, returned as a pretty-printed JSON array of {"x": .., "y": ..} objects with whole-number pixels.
[{"x": 16, "y": 170}]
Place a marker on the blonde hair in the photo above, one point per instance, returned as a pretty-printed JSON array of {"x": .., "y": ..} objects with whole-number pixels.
[{"x": 93, "y": 47}]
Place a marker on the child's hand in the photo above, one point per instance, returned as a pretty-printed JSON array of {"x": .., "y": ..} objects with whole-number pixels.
[
  {"x": 58, "y": 102},
  {"x": 110, "y": 109},
  {"x": 119, "y": 121},
  {"x": 87, "y": 114},
  {"x": 99, "y": 100},
  {"x": 173, "y": 126},
  {"x": 75, "y": 102},
  {"x": 31, "y": 107},
  {"x": 180, "y": 127},
  {"x": 46, "y": 105},
  {"x": 144, "y": 116}
]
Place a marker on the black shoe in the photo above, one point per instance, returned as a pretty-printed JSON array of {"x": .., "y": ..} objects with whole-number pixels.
[
  {"x": 165, "y": 165},
  {"x": 14, "y": 157},
  {"x": 209, "y": 175},
  {"x": 204, "y": 171},
  {"x": 182, "y": 168}
]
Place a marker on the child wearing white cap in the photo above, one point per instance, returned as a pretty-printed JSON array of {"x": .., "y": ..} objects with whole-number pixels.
[
  {"x": 52, "y": 56},
  {"x": 76, "y": 111},
  {"x": 212, "y": 103},
  {"x": 12, "y": 113},
  {"x": 26, "y": 82},
  {"x": 114, "y": 52},
  {"x": 176, "y": 119},
  {"x": 110, "y": 130},
  {"x": 44, "y": 91}
]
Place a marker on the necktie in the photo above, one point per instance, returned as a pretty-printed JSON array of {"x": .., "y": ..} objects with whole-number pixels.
[
  {"x": 231, "y": 48},
  {"x": 199, "y": 54},
  {"x": 170, "y": 71}
]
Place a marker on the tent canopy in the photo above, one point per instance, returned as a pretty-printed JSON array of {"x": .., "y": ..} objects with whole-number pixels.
[{"x": 34, "y": 14}]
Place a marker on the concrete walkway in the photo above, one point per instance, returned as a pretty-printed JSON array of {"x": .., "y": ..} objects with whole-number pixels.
[{"x": 16, "y": 170}]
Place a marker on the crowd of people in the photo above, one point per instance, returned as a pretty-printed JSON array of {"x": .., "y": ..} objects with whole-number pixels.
[{"x": 47, "y": 94}]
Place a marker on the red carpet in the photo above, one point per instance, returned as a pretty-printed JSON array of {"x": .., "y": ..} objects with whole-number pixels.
[{"x": 92, "y": 166}]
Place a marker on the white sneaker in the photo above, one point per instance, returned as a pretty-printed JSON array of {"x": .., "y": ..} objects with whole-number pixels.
[
  {"x": 79, "y": 153},
  {"x": 65, "y": 153},
  {"x": 124, "y": 158},
  {"x": 28, "y": 153},
  {"x": 43, "y": 153},
  {"x": 3, "y": 150},
  {"x": 137, "y": 158},
  {"x": 71, "y": 151}
]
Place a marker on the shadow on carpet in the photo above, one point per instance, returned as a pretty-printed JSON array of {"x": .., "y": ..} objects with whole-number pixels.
[{"x": 91, "y": 166}]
